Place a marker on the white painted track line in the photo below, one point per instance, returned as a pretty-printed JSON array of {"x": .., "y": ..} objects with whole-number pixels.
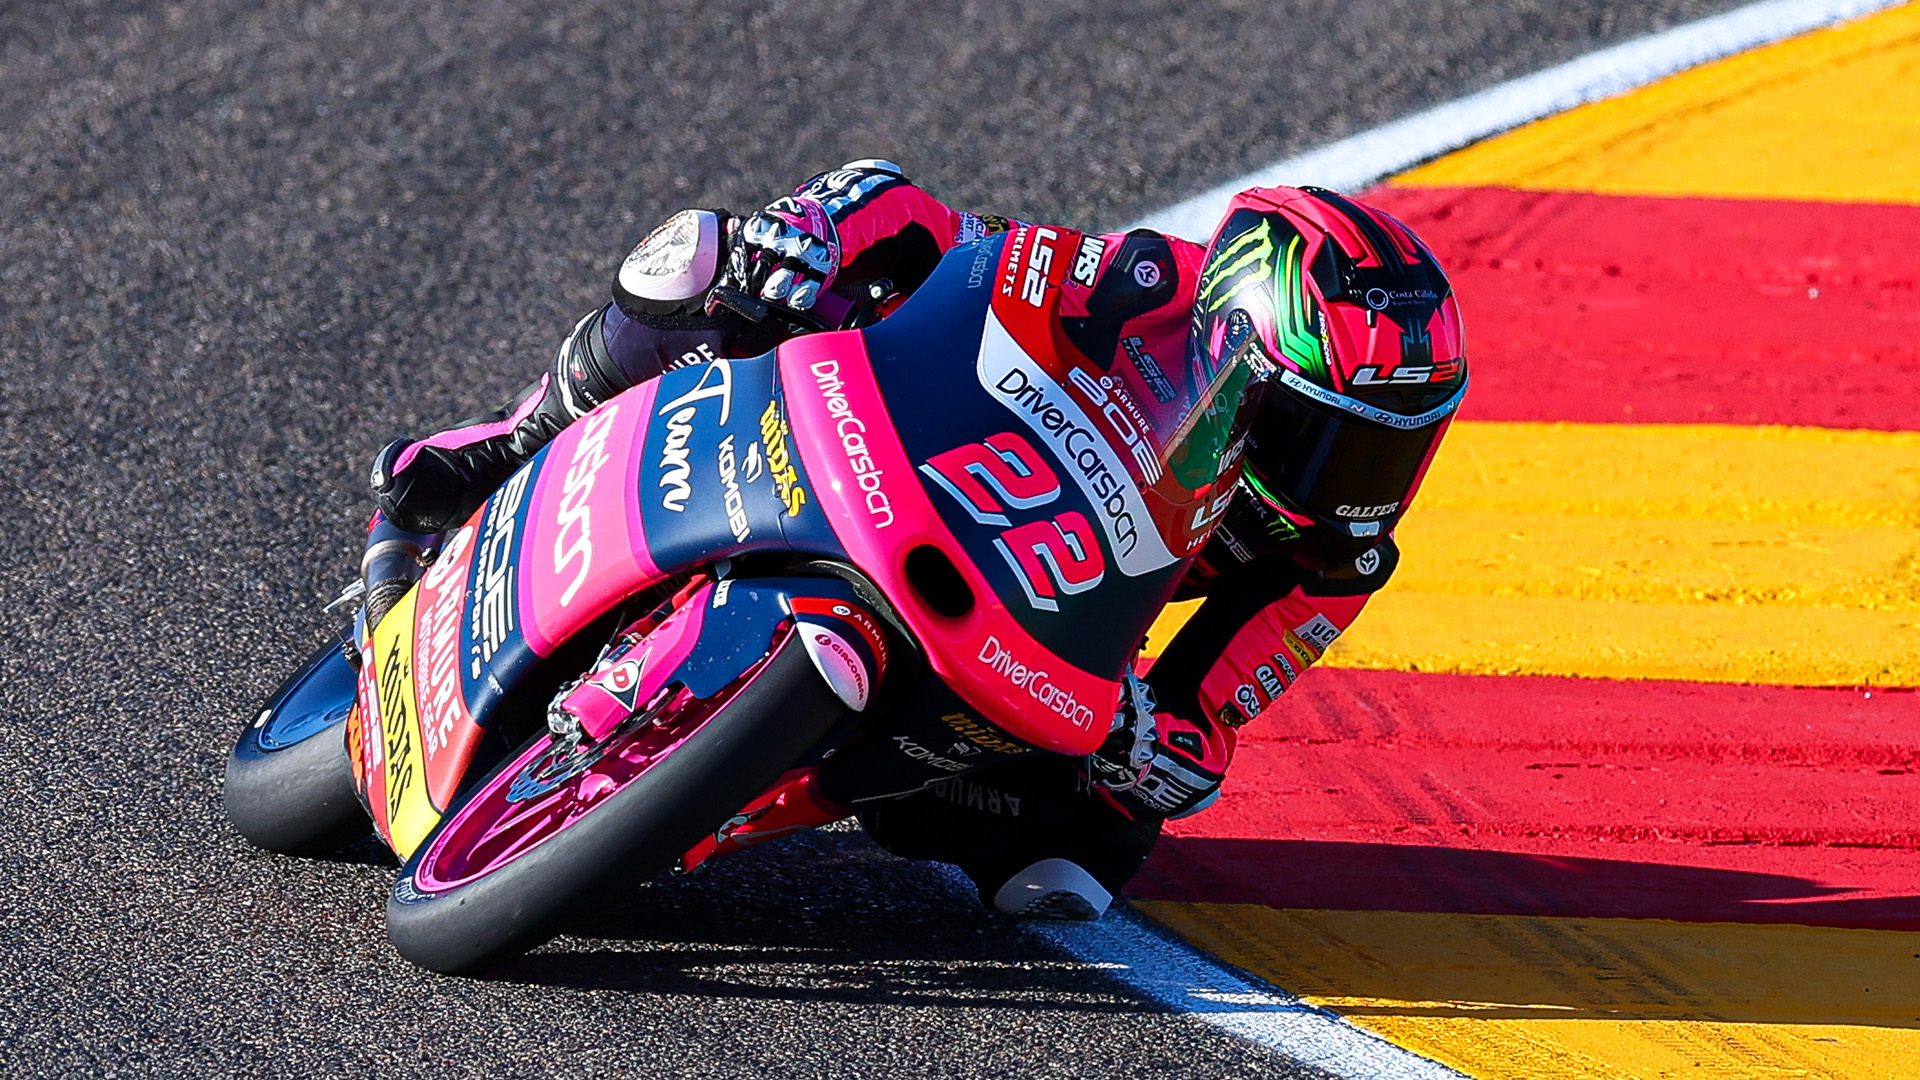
[
  {"x": 1130, "y": 947},
  {"x": 1362, "y": 159}
]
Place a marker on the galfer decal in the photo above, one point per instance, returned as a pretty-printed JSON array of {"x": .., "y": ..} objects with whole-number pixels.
[
  {"x": 675, "y": 471},
  {"x": 1379, "y": 511},
  {"x": 1016, "y": 381},
  {"x": 779, "y": 460},
  {"x": 1269, "y": 681},
  {"x": 853, "y": 441},
  {"x": 438, "y": 635},
  {"x": 1037, "y": 684},
  {"x": 493, "y": 584},
  {"x": 736, "y": 506},
  {"x": 573, "y": 537},
  {"x": 833, "y": 656}
]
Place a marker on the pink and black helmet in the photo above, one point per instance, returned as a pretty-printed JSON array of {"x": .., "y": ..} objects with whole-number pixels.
[{"x": 1357, "y": 352}]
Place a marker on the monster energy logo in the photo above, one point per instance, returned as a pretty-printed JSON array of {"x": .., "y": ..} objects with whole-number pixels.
[
  {"x": 1249, "y": 260},
  {"x": 1253, "y": 250}
]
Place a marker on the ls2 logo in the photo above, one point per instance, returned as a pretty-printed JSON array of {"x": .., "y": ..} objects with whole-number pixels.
[{"x": 1049, "y": 557}]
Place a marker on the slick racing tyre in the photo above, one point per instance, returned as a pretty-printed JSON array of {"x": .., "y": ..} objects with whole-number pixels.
[
  {"x": 560, "y": 821},
  {"x": 289, "y": 784}
]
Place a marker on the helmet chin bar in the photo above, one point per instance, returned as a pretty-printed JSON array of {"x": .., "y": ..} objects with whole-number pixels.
[{"x": 677, "y": 261}]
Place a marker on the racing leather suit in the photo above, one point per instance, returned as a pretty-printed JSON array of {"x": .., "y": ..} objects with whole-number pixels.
[{"x": 1265, "y": 617}]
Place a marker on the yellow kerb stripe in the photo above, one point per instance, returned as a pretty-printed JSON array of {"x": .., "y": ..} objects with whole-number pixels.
[
  {"x": 1522, "y": 998},
  {"x": 1833, "y": 115},
  {"x": 1697, "y": 552}
]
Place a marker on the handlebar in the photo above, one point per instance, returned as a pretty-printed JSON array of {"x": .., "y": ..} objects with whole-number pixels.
[{"x": 755, "y": 310}]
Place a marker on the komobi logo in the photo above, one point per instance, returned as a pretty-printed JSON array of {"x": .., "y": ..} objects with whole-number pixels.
[
  {"x": 853, "y": 441},
  {"x": 730, "y": 485},
  {"x": 573, "y": 539},
  {"x": 786, "y": 479},
  {"x": 1008, "y": 373},
  {"x": 675, "y": 472},
  {"x": 1055, "y": 699},
  {"x": 492, "y": 607},
  {"x": 927, "y": 757}
]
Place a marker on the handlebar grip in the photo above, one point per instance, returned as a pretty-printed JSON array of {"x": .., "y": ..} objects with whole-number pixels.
[{"x": 755, "y": 310}]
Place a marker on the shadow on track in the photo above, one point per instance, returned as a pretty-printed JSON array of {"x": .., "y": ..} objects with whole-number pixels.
[{"x": 825, "y": 917}]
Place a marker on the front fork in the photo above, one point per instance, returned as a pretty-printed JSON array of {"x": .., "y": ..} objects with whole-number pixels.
[{"x": 715, "y": 631}]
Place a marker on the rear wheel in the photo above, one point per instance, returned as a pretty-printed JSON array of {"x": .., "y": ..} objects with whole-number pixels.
[
  {"x": 560, "y": 820},
  {"x": 289, "y": 785}
]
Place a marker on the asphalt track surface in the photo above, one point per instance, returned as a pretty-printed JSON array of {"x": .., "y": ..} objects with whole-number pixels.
[{"x": 244, "y": 244}]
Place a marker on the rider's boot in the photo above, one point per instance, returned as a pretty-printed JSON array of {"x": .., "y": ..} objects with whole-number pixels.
[{"x": 1057, "y": 889}]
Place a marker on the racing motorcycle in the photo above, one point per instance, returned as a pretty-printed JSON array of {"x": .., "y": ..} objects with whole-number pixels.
[{"x": 750, "y": 597}]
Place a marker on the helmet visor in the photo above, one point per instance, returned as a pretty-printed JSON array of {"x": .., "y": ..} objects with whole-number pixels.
[{"x": 1316, "y": 453}]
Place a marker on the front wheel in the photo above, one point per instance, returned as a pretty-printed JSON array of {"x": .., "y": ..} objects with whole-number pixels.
[
  {"x": 559, "y": 819},
  {"x": 289, "y": 785}
]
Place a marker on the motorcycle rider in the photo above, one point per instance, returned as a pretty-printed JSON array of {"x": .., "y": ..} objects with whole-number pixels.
[{"x": 1358, "y": 345}]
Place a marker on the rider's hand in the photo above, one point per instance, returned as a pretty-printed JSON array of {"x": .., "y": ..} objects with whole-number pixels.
[
  {"x": 1156, "y": 765},
  {"x": 791, "y": 250}
]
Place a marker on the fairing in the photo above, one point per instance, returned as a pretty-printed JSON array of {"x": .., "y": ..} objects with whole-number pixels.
[{"x": 1068, "y": 493}]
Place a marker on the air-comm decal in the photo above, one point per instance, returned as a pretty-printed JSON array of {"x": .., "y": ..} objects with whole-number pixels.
[{"x": 1017, "y": 382}]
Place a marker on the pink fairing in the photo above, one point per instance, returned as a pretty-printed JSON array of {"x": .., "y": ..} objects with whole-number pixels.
[
  {"x": 1273, "y": 649},
  {"x": 585, "y": 548},
  {"x": 866, "y": 488},
  {"x": 626, "y": 683},
  {"x": 456, "y": 438}
]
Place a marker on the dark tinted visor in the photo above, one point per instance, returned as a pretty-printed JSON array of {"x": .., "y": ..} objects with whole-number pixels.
[{"x": 1323, "y": 460}]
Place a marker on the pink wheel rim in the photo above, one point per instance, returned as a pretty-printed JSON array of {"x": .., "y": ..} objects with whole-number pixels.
[{"x": 551, "y": 785}]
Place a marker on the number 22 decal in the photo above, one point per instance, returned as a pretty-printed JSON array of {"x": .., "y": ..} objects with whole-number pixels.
[{"x": 1048, "y": 557}]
